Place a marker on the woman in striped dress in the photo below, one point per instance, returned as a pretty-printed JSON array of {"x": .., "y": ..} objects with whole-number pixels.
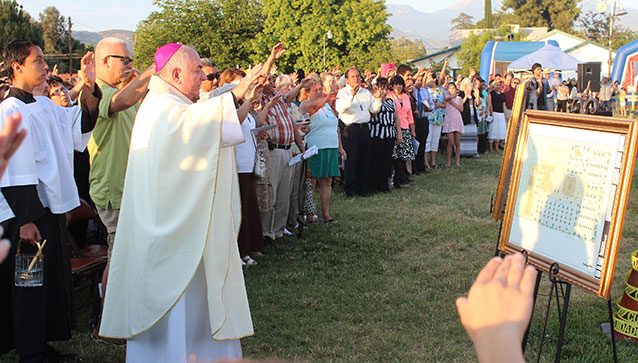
[{"x": 384, "y": 127}]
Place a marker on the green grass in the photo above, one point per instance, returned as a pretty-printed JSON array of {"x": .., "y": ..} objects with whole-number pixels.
[{"x": 381, "y": 284}]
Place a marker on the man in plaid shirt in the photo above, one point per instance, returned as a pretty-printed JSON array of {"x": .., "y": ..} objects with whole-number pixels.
[{"x": 275, "y": 112}]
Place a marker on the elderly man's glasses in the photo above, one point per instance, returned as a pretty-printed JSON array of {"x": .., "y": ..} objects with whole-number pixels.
[{"x": 125, "y": 60}]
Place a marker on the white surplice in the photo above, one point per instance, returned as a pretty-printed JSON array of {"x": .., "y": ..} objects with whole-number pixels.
[
  {"x": 180, "y": 209},
  {"x": 45, "y": 158}
]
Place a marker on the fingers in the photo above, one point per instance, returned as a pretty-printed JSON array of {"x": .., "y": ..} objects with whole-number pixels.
[
  {"x": 11, "y": 138},
  {"x": 528, "y": 281},
  {"x": 503, "y": 270},
  {"x": 487, "y": 273},
  {"x": 5, "y": 245},
  {"x": 516, "y": 269}
]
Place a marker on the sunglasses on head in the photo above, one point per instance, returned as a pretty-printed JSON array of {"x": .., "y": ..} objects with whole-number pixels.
[{"x": 125, "y": 60}]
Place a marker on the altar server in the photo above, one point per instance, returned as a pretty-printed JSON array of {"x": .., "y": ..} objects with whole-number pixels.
[{"x": 37, "y": 190}]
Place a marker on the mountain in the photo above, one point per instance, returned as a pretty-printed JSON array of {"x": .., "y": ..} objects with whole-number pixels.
[
  {"x": 433, "y": 28},
  {"x": 87, "y": 37}
]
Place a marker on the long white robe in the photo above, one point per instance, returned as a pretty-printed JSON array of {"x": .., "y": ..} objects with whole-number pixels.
[
  {"x": 45, "y": 158},
  {"x": 180, "y": 208}
]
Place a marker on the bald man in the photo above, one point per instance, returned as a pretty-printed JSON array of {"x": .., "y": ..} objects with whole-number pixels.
[
  {"x": 109, "y": 145},
  {"x": 176, "y": 288}
]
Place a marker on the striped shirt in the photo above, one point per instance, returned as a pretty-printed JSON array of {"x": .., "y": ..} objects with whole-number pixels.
[
  {"x": 278, "y": 115},
  {"x": 382, "y": 125}
]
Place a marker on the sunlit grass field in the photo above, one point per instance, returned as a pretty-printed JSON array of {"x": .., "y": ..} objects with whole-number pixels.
[{"x": 380, "y": 285}]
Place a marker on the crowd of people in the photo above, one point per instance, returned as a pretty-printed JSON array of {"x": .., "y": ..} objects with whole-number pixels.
[{"x": 192, "y": 167}]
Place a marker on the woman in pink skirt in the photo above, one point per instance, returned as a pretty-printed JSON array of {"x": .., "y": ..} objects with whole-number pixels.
[{"x": 453, "y": 124}]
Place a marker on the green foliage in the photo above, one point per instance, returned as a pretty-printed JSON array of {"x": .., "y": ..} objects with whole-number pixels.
[
  {"x": 471, "y": 48},
  {"x": 359, "y": 28},
  {"x": 595, "y": 27},
  {"x": 53, "y": 28},
  {"x": 463, "y": 21},
  {"x": 17, "y": 24},
  {"x": 221, "y": 30},
  {"x": 550, "y": 13},
  {"x": 487, "y": 17},
  {"x": 404, "y": 49}
]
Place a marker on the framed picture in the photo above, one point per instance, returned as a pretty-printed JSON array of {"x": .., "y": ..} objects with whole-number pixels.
[
  {"x": 513, "y": 127},
  {"x": 570, "y": 182}
]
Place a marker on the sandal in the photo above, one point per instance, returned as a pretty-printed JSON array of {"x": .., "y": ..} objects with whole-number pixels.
[
  {"x": 248, "y": 261},
  {"x": 331, "y": 220}
]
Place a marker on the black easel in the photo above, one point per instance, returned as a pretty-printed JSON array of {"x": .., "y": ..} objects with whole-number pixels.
[
  {"x": 611, "y": 330},
  {"x": 563, "y": 291}
]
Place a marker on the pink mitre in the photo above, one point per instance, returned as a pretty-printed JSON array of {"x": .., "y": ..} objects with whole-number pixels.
[{"x": 164, "y": 54}]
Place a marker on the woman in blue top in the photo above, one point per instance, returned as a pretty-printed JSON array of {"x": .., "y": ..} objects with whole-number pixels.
[{"x": 324, "y": 133}]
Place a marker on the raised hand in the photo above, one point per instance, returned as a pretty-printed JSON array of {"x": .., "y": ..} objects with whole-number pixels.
[
  {"x": 87, "y": 66},
  {"x": 295, "y": 78},
  {"x": 277, "y": 51},
  {"x": 10, "y": 139},
  {"x": 252, "y": 77},
  {"x": 377, "y": 91},
  {"x": 274, "y": 100},
  {"x": 497, "y": 310},
  {"x": 55, "y": 70}
]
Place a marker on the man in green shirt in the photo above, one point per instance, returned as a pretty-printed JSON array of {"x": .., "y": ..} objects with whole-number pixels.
[{"x": 109, "y": 144}]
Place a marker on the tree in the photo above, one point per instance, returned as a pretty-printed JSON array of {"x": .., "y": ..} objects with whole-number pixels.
[
  {"x": 17, "y": 24},
  {"x": 470, "y": 54},
  {"x": 550, "y": 13},
  {"x": 404, "y": 49},
  {"x": 53, "y": 28},
  {"x": 595, "y": 27},
  {"x": 463, "y": 21},
  {"x": 487, "y": 17},
  {"x": 360, "y": 33},
  {"x": 220, "y": 29},
  {"x": 472, "y": 47}
]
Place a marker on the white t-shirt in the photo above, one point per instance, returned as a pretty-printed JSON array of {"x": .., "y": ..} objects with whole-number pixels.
[{"x": 245, "y": 152}]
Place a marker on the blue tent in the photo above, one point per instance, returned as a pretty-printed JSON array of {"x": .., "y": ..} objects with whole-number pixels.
[
  {"x": 550, "y": 57},
  {"x": 495, "y": 51}
]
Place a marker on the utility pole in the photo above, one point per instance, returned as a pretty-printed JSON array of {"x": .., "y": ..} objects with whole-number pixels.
[{"x": 70, "y": 49}]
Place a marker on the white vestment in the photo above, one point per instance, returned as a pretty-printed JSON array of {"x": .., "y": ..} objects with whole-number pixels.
[
  {"x": 180, "y": 209},
  {"x": 45, "y": 158}
]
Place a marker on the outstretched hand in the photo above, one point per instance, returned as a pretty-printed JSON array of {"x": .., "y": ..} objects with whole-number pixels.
[
  {"x": 277, "y": 51},
  {"x": 377, "y": 91},
  {"x": 497, "y": 310},
  {"x": 252, "y": 77},
  {"x": 10, "y": 139},
  {"x": 87, "y": 66}
]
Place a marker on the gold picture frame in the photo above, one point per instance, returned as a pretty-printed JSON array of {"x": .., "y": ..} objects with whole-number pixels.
[
  {"x": 513, "y": 126},
  {"x": 570, "y": 181}
]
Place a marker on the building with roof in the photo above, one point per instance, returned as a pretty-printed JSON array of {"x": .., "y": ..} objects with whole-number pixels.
[
  {"x": 438, "y": 57},
  {"x": 583, "y": 49}
]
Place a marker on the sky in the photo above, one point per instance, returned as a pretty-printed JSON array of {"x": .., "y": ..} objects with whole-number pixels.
[{"x": 98, "y": 15}]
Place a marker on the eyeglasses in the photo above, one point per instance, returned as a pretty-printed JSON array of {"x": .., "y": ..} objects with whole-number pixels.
[
  {"x": 58, "y": 92},
  {"x": 125, "y": 60},
  {"x": 212, "y": 76}
]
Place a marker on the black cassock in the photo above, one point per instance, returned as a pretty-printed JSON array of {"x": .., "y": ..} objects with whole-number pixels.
[{"x": 32, "y": 316}]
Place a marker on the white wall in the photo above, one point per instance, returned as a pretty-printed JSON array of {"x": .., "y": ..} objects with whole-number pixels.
[
  {"x": 425, "y": 63},
  {"x": 593, "y": 53}
]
